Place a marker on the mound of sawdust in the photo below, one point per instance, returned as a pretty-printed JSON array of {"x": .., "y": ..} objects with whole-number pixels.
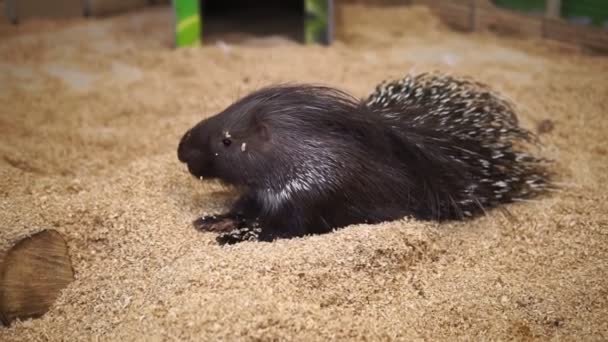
[{"x": 89, "y": 148}]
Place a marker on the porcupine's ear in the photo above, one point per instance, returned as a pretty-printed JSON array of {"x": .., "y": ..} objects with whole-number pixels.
[
  {"x": 259, "y": 134},
  {"x": 263, "y": 131}
]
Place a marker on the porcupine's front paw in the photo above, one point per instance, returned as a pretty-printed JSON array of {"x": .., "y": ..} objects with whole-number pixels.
[
  {"x": 218, "y": 223},
  {"x": 250, "y": 231}
]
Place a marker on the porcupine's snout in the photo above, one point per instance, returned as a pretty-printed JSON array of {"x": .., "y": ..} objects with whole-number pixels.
[
  {"x": 188, "y": 153},
  {"x": 185, "y": 152},
  {"x": 194, "y": 152}
]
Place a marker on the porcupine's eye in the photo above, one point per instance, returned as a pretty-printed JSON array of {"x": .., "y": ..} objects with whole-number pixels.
[{"x": 226, "y": 142}]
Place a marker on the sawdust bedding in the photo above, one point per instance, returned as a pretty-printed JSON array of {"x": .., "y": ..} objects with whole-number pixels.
[{"x": 90, "y": 116}]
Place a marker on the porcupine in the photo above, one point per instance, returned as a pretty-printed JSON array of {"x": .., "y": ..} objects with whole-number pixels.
[{"x": 309, "y": 159}]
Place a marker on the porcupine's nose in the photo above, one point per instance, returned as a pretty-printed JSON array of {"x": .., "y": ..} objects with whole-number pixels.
[
  {"x": 185, "y": 153},
  {"x": 186, "y": 156}
]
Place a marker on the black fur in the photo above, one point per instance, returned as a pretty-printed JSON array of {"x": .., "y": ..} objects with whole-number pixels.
[{"x": 309, "y": 159}]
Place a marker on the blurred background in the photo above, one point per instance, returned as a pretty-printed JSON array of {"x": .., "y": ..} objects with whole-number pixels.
[{"x": 314, "y": 20}]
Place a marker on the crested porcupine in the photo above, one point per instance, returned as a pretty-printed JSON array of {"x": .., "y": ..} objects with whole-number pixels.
[{"x": 309, "y": 159}]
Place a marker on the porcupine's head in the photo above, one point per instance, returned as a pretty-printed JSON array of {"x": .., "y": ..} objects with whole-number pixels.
[
  {"x": 261, "y": 137},
  {"x": 226, "y": 146}
]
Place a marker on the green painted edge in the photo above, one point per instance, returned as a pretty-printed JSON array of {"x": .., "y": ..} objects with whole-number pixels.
[
  {"x": 318, "y": 22},
  {"x": 188, "y": 23},
  {"x": 594, "y": 11},
  {"x": 591, "y": 12}
]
